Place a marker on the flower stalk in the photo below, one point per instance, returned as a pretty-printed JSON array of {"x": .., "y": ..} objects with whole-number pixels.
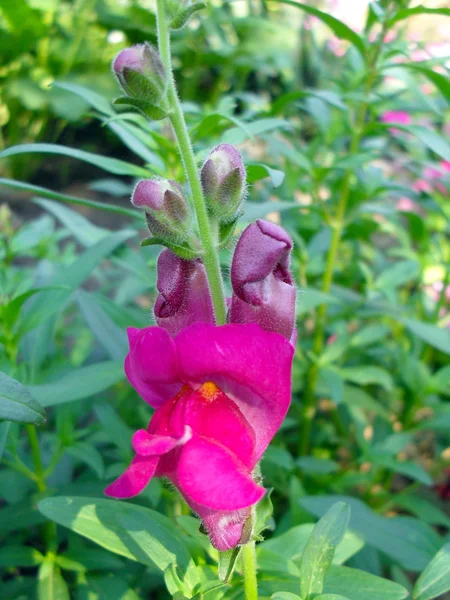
[
  {"x": 249, "y": 569},
  {"x": 210, "y": 255}
]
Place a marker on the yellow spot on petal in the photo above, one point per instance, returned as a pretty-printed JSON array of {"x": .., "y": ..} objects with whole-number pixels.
[{"x": 209, "y": 391}]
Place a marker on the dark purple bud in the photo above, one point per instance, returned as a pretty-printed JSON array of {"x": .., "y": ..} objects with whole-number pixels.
[
  {"x": 166, "y": 208},
  {"x": 263, "y": 288},
  {"x": 223, "y": 181},
  {"x": 141, "y": 73},
  {"x": 184, "y": 296}
]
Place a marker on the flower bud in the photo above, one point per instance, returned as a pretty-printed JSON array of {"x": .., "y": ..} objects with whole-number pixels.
[
  {"x": 263, "y": 288},
  {"x": 223, "y": 182},
  {"x": 141, "y": 73},
  {"x": 184, "y": 296},
  {"x": 165, "y": 208}
]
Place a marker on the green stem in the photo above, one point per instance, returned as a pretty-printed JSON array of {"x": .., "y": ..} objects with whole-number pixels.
[
  {"x": 249, "y": 567},
  {"x": 37, "y": 460},
  {"x": 309, "y": 403},
  {"x": 210, "y": 255}
]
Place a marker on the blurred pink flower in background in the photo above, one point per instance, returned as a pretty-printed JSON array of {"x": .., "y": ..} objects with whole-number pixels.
[
  {"x": 407, "y": 205},
  {"x": 396, "y": 116}
]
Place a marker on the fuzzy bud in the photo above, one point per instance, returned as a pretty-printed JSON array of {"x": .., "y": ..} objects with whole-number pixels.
[
  {"x": 263, "y": 288},
  {"x": 184, "y": 296},
  {"x": 165, "y": 208},
  {"x": 223, "y": 182},
  {"x": 141, "y": 73}
]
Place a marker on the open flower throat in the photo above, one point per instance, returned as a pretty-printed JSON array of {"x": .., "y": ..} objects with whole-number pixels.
[{"x": 202, "y": 442}]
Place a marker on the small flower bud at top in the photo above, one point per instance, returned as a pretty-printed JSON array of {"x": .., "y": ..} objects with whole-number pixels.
[
  {"x": 141, "y": 73},
  {"x": 223, "y": 182},
  {"x": 263, "y": 288},
  {"x": 166, "y": 208}
]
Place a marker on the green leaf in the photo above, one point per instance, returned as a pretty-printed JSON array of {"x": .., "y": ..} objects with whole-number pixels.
[
  {"x": 424, "y": 509},
  {"x": 438, "y": 337},
  {"x": 92, "y": 559},
  {"x": 51, "y": 585},
  {"x": 339, "y": 28},
  {"x": 397, "y": 274},
  {"x": 285, "y": 596},
  {"x": 237, "y": 135},
  {"x": 358, "y": 398},
  {"x": 405, "y": 540},
  {"x": 319, "y": 552},
  {"x": 112, "y": 337},
  {"x": 331, "y": 597},
  {"x": 4, "y": 430},
  {"x": 258, "y": 172},
  {"x": 359, "y": 585},
  {"x": 407, "y": 468},
  {"x": 227, "y": 563},
  {"x": 435, "y": 580},
  {"x": 105, "y": 587},
  {"x": 440, "y": 81},
  {"x": 129, "y": 530},
  {"x": 12, "y": 309},
  {"x": 289, "y": 546},
  {"x": 309, "y": 299},
  {"x": 119, "y": 433},
  {"x": 19, "y": 556},
  {"x": 17, "y": 404},
  {"x": 111, "y": 165},
  {"x": 28, "y": 187},
  {"x": 440, "y": 382},
  {"x": 368, "y": 374},
  {"x": 79, "y": 384},
  {"x": 369, "y": 335},
  {"x": 184, "y": 251},
  {"x": 183, "y": 16},
  {"x": 72, "y": 276},
  {"x": 417, "y": 10},
  {"x": 88, "y": 454},
  {"x": 83, "y": 230},
  {"x": 153, "y": 112},
  {"x": 428, "y": 137}
]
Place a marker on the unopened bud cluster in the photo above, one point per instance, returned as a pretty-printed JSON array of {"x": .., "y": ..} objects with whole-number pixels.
[
  {"x": 141, "y": 75},
  {"x": 167, "y": 210}
]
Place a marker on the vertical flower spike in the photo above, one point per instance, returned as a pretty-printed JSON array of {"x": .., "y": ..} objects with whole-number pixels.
[
  {"x": 184, "y": 296},
  {"x": 223, "y": 182},
  {"x": 165, "y": 208},
  {"x": 263, "y": 288},
  {"x": 141, "y": 73}
]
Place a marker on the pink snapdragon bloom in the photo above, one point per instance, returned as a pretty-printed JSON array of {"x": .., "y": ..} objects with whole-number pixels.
[
  {"x": 396, "y": 116},
  {"x": 184, "y": 296},
  {"x": 214, "y": 417},
  {"x": 263, "y": 288}
]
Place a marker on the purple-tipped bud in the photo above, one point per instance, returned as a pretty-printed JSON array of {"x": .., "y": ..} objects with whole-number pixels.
[
  {"x": 263, "y": 288},
  {"x": 184, "y": 296},
  {"x": 141, "y": 73},
  {"x": 165, "y": 207},
  {"x": 223, "y": 182}
]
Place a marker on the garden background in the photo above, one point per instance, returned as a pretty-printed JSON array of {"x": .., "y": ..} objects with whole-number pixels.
[{"x": 341, "y": 111}]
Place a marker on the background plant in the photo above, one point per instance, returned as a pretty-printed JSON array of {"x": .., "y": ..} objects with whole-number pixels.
[{"x": 366, "y": 201}]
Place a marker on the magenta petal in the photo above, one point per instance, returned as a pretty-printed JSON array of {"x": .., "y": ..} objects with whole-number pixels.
[
  {"x": 224, "y": 528},
  {"x": 146, "y": 444},
  {"x": 250, "y": 365},
  {"x": 151, "y": 365},
  {"x": 213, "y": 477},
  {"x": 134, "y": 479}
]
